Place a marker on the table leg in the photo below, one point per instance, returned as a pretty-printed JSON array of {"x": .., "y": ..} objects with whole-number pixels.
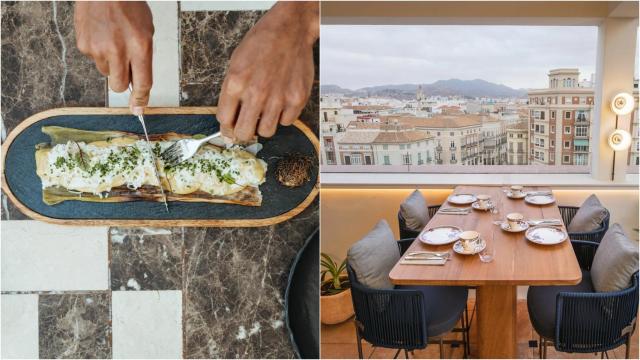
[{"x": 496, "y": 316}]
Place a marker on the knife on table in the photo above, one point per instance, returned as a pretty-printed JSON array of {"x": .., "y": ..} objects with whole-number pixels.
[{"x": 155, "y": 163}]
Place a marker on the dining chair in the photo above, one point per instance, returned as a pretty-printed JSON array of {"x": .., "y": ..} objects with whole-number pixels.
[
  {"x": 577, "y": 318},
  {"x": 405, "y": 232},
  {"x": 409, "y": 317},
  {"x": 568, "y": 212}
]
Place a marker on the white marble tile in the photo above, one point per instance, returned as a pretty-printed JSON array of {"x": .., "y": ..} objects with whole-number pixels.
[
  {"x": 147, "y": 324},
  {"x": 37, "y": 256},
  {"x": 166, "y": 59},
  {"x": 19, "y": 330},
  {"x": 225, "y": 5}
]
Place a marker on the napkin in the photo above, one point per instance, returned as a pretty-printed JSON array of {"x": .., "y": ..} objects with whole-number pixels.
[{"x": 404, "y": 261}]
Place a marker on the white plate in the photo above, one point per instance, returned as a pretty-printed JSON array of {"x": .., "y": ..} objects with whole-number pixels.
[
  {"x": 462, "y": 199},
  {"x": 523, "y": 226},
  {"x": 440, "y": 235},
  {"x": 546, "y": 235},
  {"x": 457, "y": 247},
  {"x": 476, "y": 205},
  {"x": 540, "y": 199},
  {"x": 522, "y": 195}
]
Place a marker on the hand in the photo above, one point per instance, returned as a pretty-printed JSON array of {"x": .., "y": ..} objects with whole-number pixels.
[
  {"x": 118, "y": 36},
  {"x": 271, "y": 72}
]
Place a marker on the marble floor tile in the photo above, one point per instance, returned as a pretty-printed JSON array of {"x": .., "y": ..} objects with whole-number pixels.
[
  {"x": 19, "y": 330},
  {"x": 41, "y": 66},
  {"x": 75, "y": 326},
  {"x": 147, "y": 324},
  {"x": 37, "y": 256},
  {"x": 146, "y": 258},
  {"x": 234, "y": 288},
  {"x": 207, "y": 41}
]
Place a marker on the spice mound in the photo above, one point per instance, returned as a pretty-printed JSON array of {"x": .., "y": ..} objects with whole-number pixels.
[{"x": 294, "y": 170}]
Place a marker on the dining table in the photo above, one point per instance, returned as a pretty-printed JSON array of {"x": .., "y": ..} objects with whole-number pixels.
[{"x": 516, "y": 262}]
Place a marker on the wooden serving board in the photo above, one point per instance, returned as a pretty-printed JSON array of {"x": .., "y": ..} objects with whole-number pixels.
[{"x": 279, "y": 203}]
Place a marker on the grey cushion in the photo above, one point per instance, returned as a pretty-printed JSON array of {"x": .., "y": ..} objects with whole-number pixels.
[
  {"x": 589, "y": 217},
  {"x": 616, "y": 260},
  {"x": 415, "y": 211},
  {"x": 373, "y": 257}
]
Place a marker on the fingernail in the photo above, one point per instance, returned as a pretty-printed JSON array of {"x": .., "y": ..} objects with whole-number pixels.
[{"x": 137, "y": 110}]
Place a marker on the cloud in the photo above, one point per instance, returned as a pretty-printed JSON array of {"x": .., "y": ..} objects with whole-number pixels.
[{"x": 356, "y": 56}]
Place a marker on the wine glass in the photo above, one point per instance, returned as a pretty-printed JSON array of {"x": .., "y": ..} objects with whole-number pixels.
[
  {"x": 487, "y": 254},
  {"x": 495, "y": 211}
]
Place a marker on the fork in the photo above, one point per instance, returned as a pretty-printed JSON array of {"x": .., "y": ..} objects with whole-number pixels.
[{"x": 184, "y": 149}]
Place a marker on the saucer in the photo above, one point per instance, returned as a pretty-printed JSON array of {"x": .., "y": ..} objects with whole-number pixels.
[
  {"x": 457, "y": 247},
  {"x": 476, "y": 205},
  {"x": 546, "y": 235},
  {"x": 462, "y": 199},
  {"x": 522, "y": 195},
  {"x": 523, "y": 226},
  {"x": 440, "y": 235},
  {"x": 540, "y": 199}
]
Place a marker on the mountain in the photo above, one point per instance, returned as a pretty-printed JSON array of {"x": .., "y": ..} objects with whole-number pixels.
[{"x": 451, "y": 87}]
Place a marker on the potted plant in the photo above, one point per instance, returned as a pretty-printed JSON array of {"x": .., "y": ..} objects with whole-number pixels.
[{"x": 335, "y": 292}]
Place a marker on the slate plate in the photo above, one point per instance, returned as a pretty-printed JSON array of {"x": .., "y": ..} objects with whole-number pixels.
[
  {"x": 23, "y": 186},
  {"x": 302, "y": 300}
]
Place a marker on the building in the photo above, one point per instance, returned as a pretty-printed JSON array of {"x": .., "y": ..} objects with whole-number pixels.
[
  {"x": 518, "y": 143},
  {"x": 355, "y": 146},
  {"x": 398, "y": 144},
  {"x": 457, "y": 137},
  {"x": 494, "y": 144},
  {"x": 634, "y": 150},
  {"x": 560, "y": 120}
]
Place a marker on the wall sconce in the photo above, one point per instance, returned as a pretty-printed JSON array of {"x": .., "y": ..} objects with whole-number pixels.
[
  {"x": 620, "y": 140},
  {"x": 622, "y": 104}
]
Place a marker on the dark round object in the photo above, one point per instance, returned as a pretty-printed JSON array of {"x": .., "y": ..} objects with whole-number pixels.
[{"x": 302, "y": 300}]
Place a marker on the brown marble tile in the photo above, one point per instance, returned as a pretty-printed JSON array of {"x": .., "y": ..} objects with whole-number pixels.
[
  {"x": 207, "y": 41},
  {"x": 234, "y": 283},
  {"x": 146, "y": 258},
  {"x": 75, "y": 326},
  {"x": 41, "y": 67}
]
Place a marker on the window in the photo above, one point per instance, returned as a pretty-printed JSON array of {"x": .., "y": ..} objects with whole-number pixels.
[
  {"x": 581, "y": 159},
  {"x": 567, "y": 144},
  {"x": 582, "y": 131},
  {"x": 565, "y": 159},
  {"x": 406, "y": 159},
  {"x": 487, "y": 129}
]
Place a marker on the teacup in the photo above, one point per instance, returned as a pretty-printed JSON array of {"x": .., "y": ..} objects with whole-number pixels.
[
  {"x": 514, "y": 220},
  {"x": 483, "y": 201},
  {"x": 516, "y": 190},
  {"x": 469, "y": 240}
]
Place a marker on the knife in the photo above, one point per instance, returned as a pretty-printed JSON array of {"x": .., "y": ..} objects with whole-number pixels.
[{"x": 155, "y": 163}]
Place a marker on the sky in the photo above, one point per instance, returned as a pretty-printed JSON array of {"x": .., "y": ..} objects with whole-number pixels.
[{"x": 356, "y": 56}]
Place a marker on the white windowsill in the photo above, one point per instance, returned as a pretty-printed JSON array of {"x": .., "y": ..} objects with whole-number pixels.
[{"x": 391, "y": 180}]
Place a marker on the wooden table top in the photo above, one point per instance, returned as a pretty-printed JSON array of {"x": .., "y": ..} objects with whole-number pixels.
[{"x": 517, "y": 261}]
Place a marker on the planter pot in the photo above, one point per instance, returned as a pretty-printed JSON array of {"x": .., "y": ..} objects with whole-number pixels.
[{"x": 335, "y": 309}]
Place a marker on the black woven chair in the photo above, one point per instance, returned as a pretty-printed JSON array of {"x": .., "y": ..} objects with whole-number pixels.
[
  {"x": 405, "y": 232},
  {"x": 578, "y": 319},
  {"x": 568, "y": 212},
  {"x": 398, "y": 318}
]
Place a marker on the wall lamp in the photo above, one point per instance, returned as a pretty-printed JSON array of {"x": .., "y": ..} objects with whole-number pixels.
[{"x": 620, "y": 140}]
